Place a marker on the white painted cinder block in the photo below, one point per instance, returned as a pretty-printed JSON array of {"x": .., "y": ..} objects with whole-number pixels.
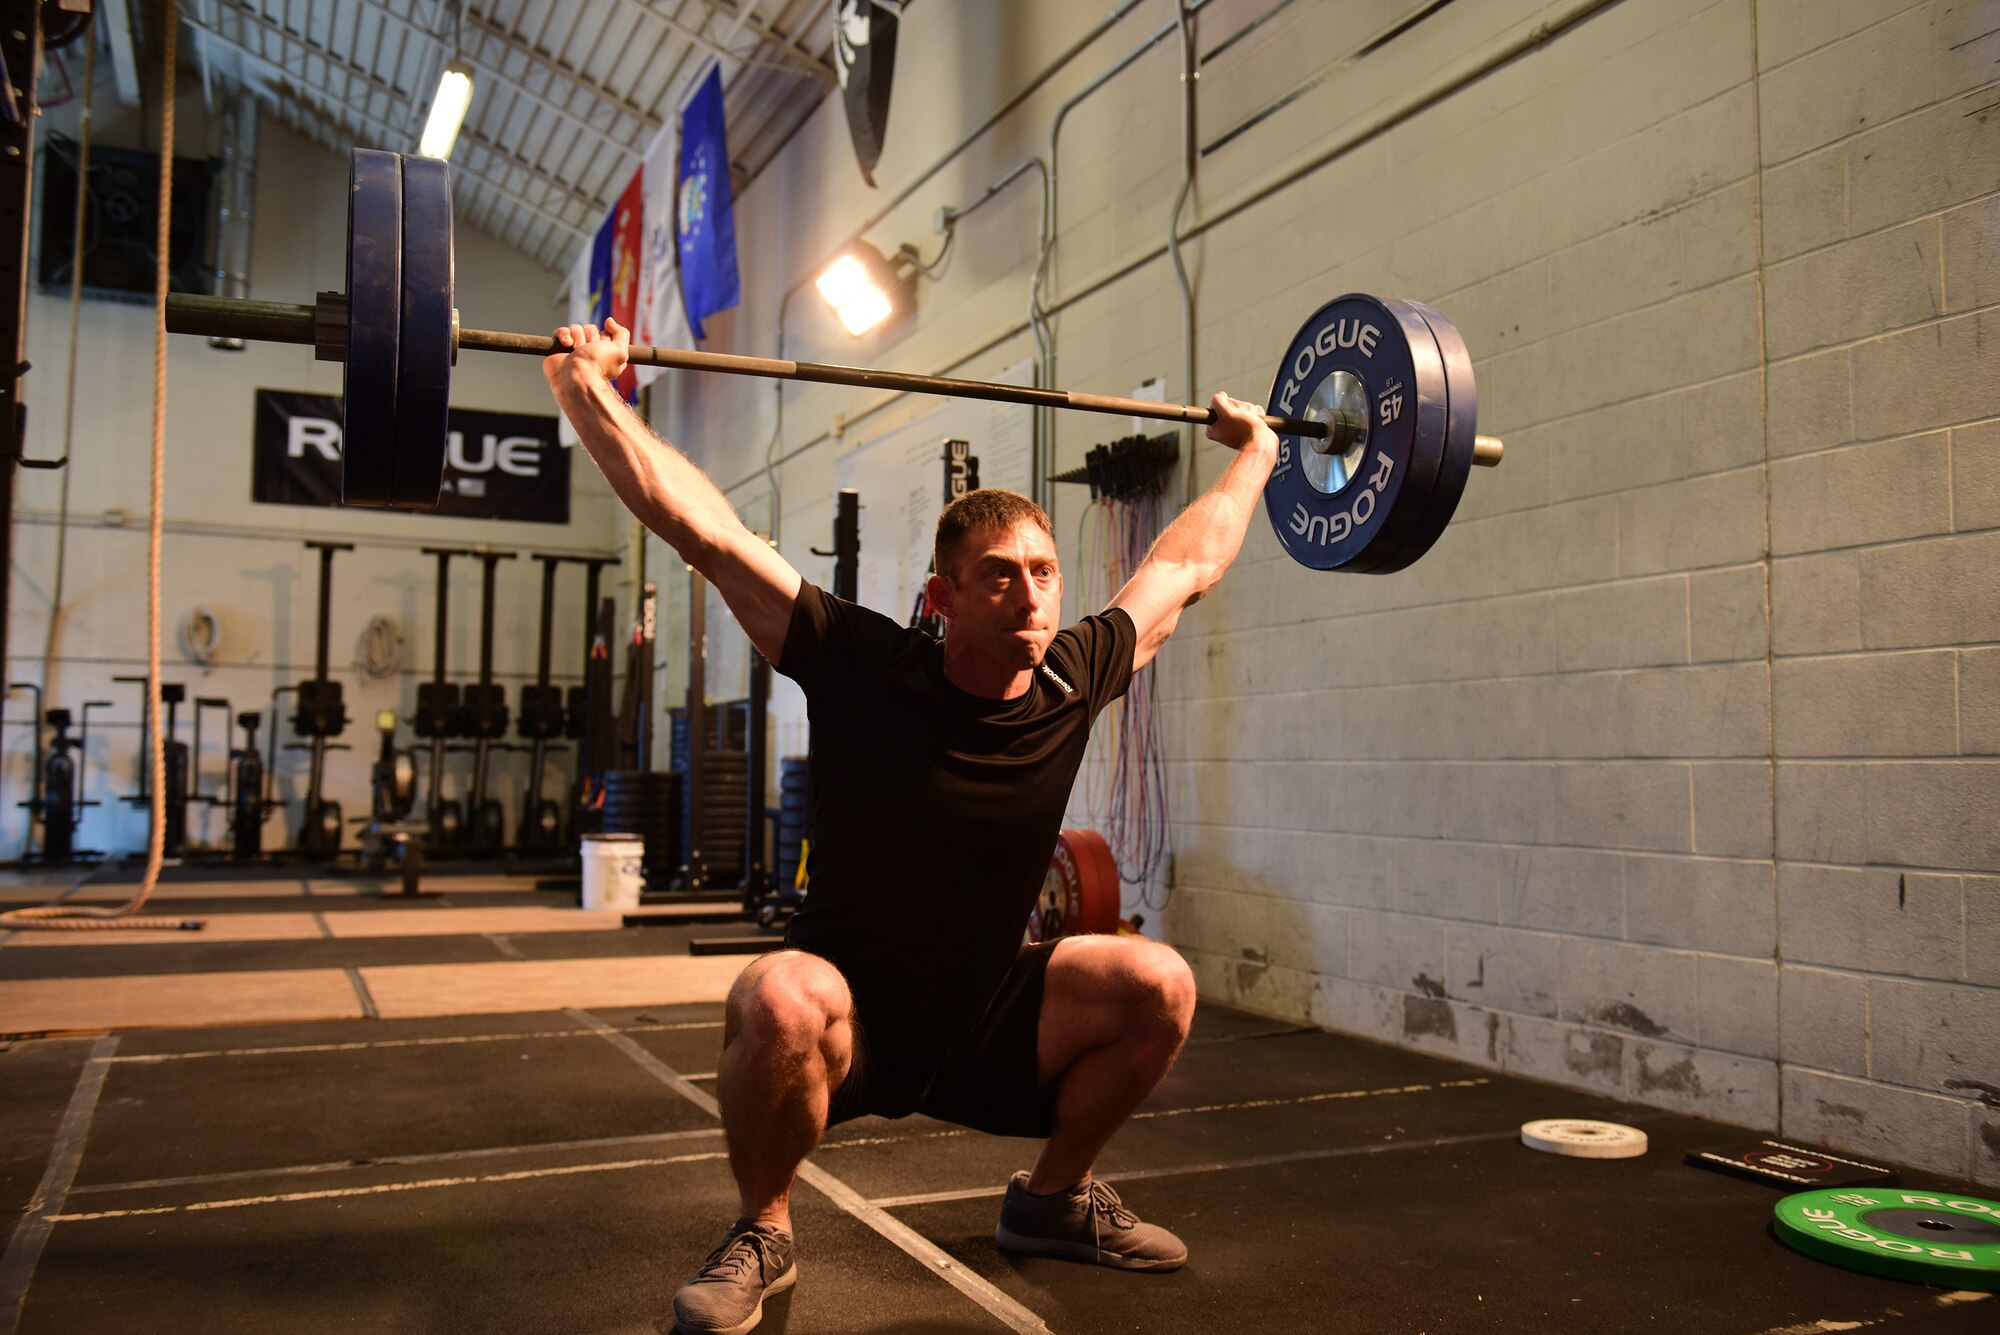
[
  {"x": 1640, "y": 990},
  {"x": 1823, "y": 1019},
  {"x": 1975, "y": 473},
  {"x": 1870, "y": 1117}
]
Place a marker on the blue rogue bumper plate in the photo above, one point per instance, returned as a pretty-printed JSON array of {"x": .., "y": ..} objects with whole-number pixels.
[
  {"x": 425, "y": 343},
  {"x": 374, "y": 321},
  {"x": 1397, "y": 375}
]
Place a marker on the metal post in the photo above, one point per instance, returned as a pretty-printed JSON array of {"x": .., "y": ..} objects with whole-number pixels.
[
  {"x": 756, "y": 878},
  {"x": 21, "y": 47},
  {"x": 326, "y": 551},
  {"x": 548, "y": 618},
  {"x": 642, "y": 739},
  {"x": 847, "y": 545},
  {"x": 482, "y": 747},
  {"x": 697, "y": 732},
  {"x": 434, "y": 780}
]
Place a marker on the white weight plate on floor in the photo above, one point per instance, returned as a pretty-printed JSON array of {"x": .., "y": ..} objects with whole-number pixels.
[{"x": 1576, "y": 1138}]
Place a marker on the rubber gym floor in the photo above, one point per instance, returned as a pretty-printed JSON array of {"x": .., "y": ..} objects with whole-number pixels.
[{"x": 483, "y": 1110}]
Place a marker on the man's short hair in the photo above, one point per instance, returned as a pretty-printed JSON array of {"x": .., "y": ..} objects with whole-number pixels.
[{"x": 987, "y": 507}]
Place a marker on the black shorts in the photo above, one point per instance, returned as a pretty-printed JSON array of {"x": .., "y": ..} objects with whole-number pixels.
[{"x": 986, "y": 1080}]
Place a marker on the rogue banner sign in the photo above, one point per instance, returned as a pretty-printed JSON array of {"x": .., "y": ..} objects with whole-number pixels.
[{"x": 497, "y": 465}]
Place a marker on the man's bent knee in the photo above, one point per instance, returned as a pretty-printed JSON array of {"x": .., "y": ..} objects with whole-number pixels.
[
  {"x": 790, "y": 998},
  {"x": 1164, "y": 984},
  {"x": 1126, "y": 980}
]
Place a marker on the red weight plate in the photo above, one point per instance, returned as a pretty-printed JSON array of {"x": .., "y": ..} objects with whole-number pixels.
[{"x": 1080, "y": 893}]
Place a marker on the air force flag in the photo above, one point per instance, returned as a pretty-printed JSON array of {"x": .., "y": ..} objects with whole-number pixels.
[{"x": 707, "y": 231}]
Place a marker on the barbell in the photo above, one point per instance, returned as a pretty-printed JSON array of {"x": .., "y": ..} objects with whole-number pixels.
[{"x": 1374, "y": 404}]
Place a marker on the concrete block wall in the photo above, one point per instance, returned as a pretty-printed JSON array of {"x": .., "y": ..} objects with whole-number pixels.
[
  {"x": 242, "y": 561},
  {"x": 1674, "y": 770}
]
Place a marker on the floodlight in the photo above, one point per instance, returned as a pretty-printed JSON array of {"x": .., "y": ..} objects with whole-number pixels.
[{"x": 864, "y": 289}]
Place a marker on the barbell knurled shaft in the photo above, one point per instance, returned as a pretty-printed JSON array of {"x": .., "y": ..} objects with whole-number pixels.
[{"x": 686, "y": 359}]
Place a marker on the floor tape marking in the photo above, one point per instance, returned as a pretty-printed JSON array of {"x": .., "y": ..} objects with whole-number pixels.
[
  {"x": 361, "y": 992},
  {"x": 505, "y": 945},
  {"x": 933, "y": 1258},
  {"x": 364, "y": 1044},
  {"x": 24, "y": 1249},
  {"x": 391, "y": 1188},
  {"x": 652, "y": 1065},
  {"x": 393, "y": 1161},
  {"x": 1176, "y": 1170},
  {"x": 1327, "y": 1097}
]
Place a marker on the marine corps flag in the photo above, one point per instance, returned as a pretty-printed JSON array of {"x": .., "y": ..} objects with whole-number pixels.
[
  {"x": 614, "y": 270},
  {"x": 864, "y": 48}
]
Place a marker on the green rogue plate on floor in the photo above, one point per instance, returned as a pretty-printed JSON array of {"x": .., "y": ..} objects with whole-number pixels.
[{"x": 1928, "y": 1237}]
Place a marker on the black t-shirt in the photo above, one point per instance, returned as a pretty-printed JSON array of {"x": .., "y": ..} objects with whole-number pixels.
[{"x": 934, "y": 811}]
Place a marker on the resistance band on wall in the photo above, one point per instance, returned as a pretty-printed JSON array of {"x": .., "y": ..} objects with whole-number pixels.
[{"x": 1124, "y": 781}]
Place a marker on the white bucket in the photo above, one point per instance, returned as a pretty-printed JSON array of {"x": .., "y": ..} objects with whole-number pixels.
[{"x": 613, "y": 870}]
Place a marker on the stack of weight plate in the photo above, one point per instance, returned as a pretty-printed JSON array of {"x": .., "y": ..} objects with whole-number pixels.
[
  {"x": 735, "y": 724},
  {"x": 735, "y": 717},
  {"x": 677, "y": 739},
  {"x": 724, "y": 777},
  {"x": 647, "y": 803},
  {"x": 725, "y": 773},
  {"x": 791, "y": 819}
]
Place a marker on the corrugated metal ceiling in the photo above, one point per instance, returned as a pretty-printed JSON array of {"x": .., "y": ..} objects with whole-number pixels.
[{"x": 567, "y": 93}]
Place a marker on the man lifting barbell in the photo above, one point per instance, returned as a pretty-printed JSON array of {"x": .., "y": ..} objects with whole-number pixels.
[
  {"x": 961, "y": 757},
  {"x": 942, "y": 774}
]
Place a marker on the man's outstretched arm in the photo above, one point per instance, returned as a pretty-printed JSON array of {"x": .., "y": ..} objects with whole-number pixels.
[
  {"x": 1189, "y": 558},
  {"x": 669, "y": 494}
]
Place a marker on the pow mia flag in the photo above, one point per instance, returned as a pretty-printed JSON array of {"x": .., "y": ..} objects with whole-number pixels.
[
  {"x": 864, "y": 50},
  {"x": 497, "y": 465}
]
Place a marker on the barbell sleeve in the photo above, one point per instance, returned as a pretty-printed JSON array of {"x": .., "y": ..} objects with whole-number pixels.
[{"x": 227, "y": 317}]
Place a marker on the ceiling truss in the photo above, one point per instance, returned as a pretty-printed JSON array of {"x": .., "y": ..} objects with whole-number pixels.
[{"x": 568, "y": 94}]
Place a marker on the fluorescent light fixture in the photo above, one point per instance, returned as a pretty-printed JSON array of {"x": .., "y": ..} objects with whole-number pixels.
[
  {"x": 448, "y": 107},
  {"x": 864, "y": 289}
]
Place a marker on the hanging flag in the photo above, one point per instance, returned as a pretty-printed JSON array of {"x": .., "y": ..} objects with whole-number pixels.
[
  {"x": 579, "y": 312},
  {"x": 864, "y": 47},
  {"x": 659, "y": 314},
  {"x": 614, "y": 269},
  {"x": 707, "y": 229}
]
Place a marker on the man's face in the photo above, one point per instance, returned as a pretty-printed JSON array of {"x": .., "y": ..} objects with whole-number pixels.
[{"x": 1006, "y": 597}]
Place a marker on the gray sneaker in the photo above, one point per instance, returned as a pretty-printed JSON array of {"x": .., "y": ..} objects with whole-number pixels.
[
  {"x": 726, "y": 1296},
  {"x": 1086, "y": 1223}
]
